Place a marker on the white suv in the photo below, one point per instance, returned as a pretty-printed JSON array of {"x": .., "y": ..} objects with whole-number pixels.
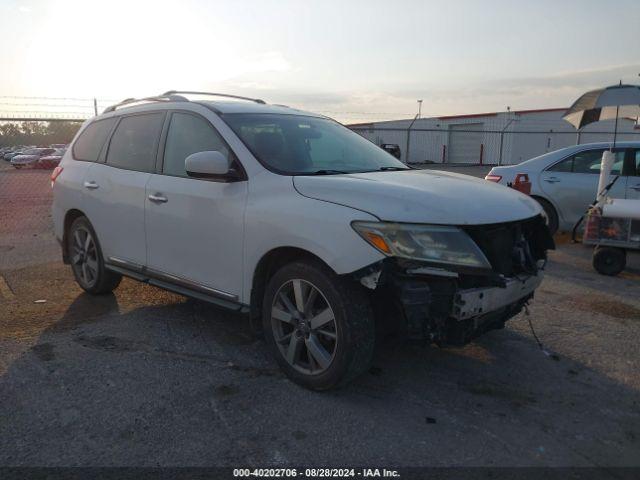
[{"x": 296, "y": 220}]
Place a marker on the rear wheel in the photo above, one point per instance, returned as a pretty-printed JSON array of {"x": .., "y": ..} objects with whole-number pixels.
[
  {"x": 320, "y": 326},
  {"x": 550, "y": 214},
  {"x": 86, "y": 258},
  {"x": 609, "y": 260}
]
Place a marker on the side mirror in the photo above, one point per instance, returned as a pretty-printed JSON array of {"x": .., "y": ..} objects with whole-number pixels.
[{"x": 209, "y": 164}]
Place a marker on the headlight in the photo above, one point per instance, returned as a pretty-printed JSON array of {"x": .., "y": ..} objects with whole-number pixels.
[{"x": 431, "y": 243}]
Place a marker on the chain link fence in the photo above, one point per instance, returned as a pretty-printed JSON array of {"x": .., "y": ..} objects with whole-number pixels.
[
  {"x": 472, "y": 144},
  {"x": 29, "y": 151}
]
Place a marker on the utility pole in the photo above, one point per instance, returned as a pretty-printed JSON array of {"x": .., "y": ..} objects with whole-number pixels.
[
  {"x": 95, "y": 106},
  {"x": 406, "y": 152},
  {"x": 419, "y": 108},
  {"x": 502, "y": 135}
]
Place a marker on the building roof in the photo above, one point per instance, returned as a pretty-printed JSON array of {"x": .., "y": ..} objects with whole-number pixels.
[{"x": 463, "y": 116}]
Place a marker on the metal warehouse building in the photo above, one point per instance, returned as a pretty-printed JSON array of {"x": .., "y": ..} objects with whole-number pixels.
[{"x": 489, "y": 138}]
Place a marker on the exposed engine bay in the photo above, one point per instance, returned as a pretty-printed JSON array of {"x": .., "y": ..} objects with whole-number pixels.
[{"x": 450, "y": 305}]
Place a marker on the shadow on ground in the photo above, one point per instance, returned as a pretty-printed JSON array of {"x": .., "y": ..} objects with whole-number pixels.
[{"x": 185, "y": 383}]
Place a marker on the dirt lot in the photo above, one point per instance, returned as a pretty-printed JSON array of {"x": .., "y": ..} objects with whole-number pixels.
[{"x": 144, "y": 377}]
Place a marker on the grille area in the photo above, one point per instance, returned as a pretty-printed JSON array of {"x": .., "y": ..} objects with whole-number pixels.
[{"x": 515, "y": 247}]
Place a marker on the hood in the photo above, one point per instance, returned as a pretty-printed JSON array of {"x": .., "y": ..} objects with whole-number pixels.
[{"x": 421, "y": 196}]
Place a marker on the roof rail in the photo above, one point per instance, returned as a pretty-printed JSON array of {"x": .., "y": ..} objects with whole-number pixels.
[
  {"x": 158, "y": 98},
  {"x": 173, "y": 92}
]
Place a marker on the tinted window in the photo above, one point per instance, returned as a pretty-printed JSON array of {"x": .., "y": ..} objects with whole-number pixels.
[
  {"x": 563, "y": 166},
  {"x": 588, "y": 162},
  {"x": 636, "y": 163},
  {"x": 91, "y": 140},
  {"x": 189, "y": 134},
  {"x": 133, "y": 144}
]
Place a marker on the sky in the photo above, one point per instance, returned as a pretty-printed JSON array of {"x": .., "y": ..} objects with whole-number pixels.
[{"x": 352, "y": 60}]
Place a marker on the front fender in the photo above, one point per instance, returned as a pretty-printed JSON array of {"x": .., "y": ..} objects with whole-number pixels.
[{"x": 277, "y": 216}]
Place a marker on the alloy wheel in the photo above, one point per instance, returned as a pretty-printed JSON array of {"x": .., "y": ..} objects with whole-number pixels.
[
  {"x": 304, "y": 327},
  {"x": 84, "y": 257}
]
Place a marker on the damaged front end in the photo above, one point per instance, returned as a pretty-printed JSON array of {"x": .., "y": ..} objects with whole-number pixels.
[{"x": 452, "y": 304}]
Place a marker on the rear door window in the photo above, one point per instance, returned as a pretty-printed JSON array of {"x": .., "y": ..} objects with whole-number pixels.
[
  {"x": 88, "y": 145},
  {"x": 134, "y": 143},
  {"x": 588, "y": 161}
]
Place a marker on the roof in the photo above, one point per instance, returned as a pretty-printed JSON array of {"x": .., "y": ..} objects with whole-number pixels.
[
  {"x": 493, "y": 114},
  {"x": 252, "y": 107},
  {"x": 458, "y": 117}
]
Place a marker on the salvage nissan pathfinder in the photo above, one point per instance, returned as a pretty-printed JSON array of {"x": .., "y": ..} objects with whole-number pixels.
[{"x": 290, "y": 217}]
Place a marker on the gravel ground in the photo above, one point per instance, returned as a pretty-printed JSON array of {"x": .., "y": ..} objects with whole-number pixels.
[{"x": 143, "y": 377}]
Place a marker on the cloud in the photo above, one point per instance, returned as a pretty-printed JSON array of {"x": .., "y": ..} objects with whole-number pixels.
[{"x": 587, "y": 78}]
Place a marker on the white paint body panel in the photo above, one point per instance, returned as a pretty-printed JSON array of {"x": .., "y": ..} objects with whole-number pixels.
[
  {"x": 422, "y": 196},
  {"x": 116, "y": 211},
  {"x": 278, "y": 216},
  {"x": 197, "y": 234}
]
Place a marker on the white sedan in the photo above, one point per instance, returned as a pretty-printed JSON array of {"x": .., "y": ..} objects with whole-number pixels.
[{"x": 565, "y": 181}]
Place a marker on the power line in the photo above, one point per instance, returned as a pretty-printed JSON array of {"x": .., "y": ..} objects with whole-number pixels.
[{"x": 73, "y": 99}]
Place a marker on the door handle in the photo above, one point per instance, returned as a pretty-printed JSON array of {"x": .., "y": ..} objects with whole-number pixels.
[
  {"x": 91, "y": 185},
  {"x": 552, "y": 180},
  {"x": 157, "y": 198},
  {"x": 636, "y": 187}
]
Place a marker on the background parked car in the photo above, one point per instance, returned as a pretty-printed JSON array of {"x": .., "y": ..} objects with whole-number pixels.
[
  {"x": 30, "y": 157},
  {"x": 51, "y": 161},
  {"x": 12, "y": 152},
  {"x": 392, "y": 148},
  {"x": 565, "y": 181}
]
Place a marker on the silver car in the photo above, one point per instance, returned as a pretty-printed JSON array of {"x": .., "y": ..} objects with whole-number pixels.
[
  {"x": 565, "y": 181},
  {"x": 30, "y": 157}
]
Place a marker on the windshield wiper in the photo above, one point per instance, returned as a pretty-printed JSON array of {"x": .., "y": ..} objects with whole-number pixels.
[
  {"x": 392, "y": 169},
  {"x": 326, "y": 172}
]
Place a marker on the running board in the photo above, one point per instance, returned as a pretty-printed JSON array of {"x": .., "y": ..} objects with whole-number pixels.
[{"x": 177, "y": 285}]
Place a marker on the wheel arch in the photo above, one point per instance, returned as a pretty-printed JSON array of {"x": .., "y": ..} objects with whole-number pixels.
[
  {"x": 267, "y": 266},
  {"x": 537, "y": 197}
]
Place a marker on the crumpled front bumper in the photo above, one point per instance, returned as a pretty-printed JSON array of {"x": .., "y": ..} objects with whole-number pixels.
[
  {"x": 479, "y": 301},
  {"x": 445, "y": 307}
]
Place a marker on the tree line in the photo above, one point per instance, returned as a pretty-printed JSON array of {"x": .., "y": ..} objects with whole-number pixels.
[{"x": 38, "y": 133}]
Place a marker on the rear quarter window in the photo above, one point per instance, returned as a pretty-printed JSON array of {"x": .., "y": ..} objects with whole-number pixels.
[{"x": 90, "y": 142}]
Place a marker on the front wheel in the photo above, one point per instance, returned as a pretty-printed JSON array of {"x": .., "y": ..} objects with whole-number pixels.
[
  {"x": 87, "y": 262},
  {"x": 319, "y": 325}
]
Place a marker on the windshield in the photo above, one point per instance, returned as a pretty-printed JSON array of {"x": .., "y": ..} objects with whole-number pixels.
[{"x": 301, "y": 145}]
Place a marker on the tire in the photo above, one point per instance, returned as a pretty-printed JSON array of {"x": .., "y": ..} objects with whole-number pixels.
[
  {"x": 339, "y": 308},
  {"x": 551, "y": 216},
  {"x": 87, "y": 262},
  {"x": 609, "y": 260}
]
